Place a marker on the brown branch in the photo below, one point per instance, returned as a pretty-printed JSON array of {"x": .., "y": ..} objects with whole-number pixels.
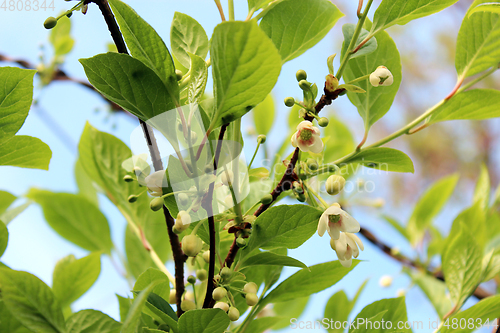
[
  {"x": 207, "y": 205},
  {"x": 179, "y": 256}
]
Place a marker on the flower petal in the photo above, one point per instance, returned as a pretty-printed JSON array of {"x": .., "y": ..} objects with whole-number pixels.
[
  {"x": 317, "y": 145},
  {"x": 353, "y": 248},
  {"x": 323, "y": 224},
  {"x": 334, "y": 230},
  {"x": 346, "y": 263},
  {"x": 294, "y": 139},
  {"x": 358, "y": 241},
  {"x": 349, "y": 223}
]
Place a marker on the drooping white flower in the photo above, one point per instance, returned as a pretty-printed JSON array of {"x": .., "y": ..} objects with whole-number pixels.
[
  {"x": 334, "y": 220},
  {"x": 381, "y": 77},
  {"x": 347, "y": 247},
  {"x": 307, "y": 138},
  {"x": 155, "y": 183}
]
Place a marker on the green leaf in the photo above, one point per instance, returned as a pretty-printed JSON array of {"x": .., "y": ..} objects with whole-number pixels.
[
  {"x": 308, "y": 281},
  {"x": 283, "y": 226},
  {"x": 16, "y": 95},
  {"x": 245, "y": 67},
  {"x": 391, "y": 12},
  {"x": 434, "y": 289},
  {"x": 395, "y": 312},
  {"x": 257, "y": 4},
  {"x": 92, "y": 321},
  {"x": 72, "y": 278},
  {"x": 337, "y": 309},
  {"x": 6, "y": 199},
  {"x": 429, "y": 205},
  {"x": 368, "y": 323},
  {"x": 491, "y": 265},
  {"x": 152, "y": 275},
  {"x": 159, "y": 309},
  {"x": 270, "y": 259},
  {"x": 85, "y": 185},
  {"x": 25, "y": 152},
  {"x": 462, "y": 267},
  {"x": 60, "y": 37},
  {"x": 135, "y": 312},
  {"x": 296, "y": 25},
  {"x": 31, "y": 302},
  {"x": 263, "y": 115},
  {"x": 369, "y": 47},
  {"x": 7, "y": 322},
  {"x": 124, "y": 306},
  {"x": 264, "y": 324},
  {"x": 385, "y": 159},
  {"x": 352, "y": 88},
  {"x": 483, "y": 188},
  {"x": 187, "y": 36},
  {"x": 198, "y": 78},
  {"x": 486, "y": 309},
  {"x": 478, "y": 43},
  {"x": 492, "y": 7},
  {"x": 338, "y": 141},
  {"x": 129, "y": 83},
  {"x": 476, "y": 104},
  {"x": 477, "y": 229},
  {"x": 287, "y": 310},
  {"x": 146, "y": 45},
  {"x": 75, "y": 218},
  {"x": 4, "y": 237},
  {"x": 204, "y": 321},
  {"x": 377, "y": 101},
  {"x": 12, "y": 213}
]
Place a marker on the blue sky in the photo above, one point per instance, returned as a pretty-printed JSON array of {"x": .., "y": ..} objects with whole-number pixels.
[{"x": 35, "y": 248}]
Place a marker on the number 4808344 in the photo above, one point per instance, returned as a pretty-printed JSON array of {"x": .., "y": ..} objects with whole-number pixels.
[{"x": 26, "y": 5}]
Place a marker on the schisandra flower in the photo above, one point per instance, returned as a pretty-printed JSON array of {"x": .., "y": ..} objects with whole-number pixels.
[
  {"x": 334, "y": 220},
  {"x": 307, "y": 138},
  {"x": 347, "y": 247},
  {"x": 381, "y": 77},
  {"x": 155, "y": 183}
]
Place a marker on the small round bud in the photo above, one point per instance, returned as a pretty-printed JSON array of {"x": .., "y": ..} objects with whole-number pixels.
[
  {"x": 251, "y": 299},
  {"x": 323, "y": 122},
  {"x": 68, "y": 15},
  {"x": 201, "y": 274},
  {"x": 132, "y": 198},
  {"x": 182, "y": 222},
  {"x": 194, "y": 137},
  {"x": 267, "y": 199},
  {"x": 227, "y": 177},
  {"x": 180, "y": 128},
  {"x": 226, "y": 272},
  {"x": 156, "y": 204},
  {"x": 128, "y": 178},
  {"x": 206, "y": 256},
  {"x": 304, "y": 85},
  {"x": 183, "y": 199},
  {"x": 222, "y": 305},
  {"x": 241, "y": 242},
  {"x": 178, "y": 74},
  {"x": 216, "y": 277},
  {"x": 50, "y": 22},
  {"x": 191, "y": 279},
  {"x": 261, "y": 138},
  {"x": 289, "y": 101},
  {"x": 172, "y": 299},
  {"x": 298, "y": 188},
  {"x": 334, "y": 184},
  {"x": 300, "y": 197},
  {"x": 312, "y": 164},
  {"x": 187, "y": 305},
  {"x": 233, "y": 314},
  {"x": 191, "y": 245},
  {"x": 301, "y": 75},
  {"x": 228, "y": 201},
  {"x": 219, "y": 293},
  {"x": 209, "y": 168},
  {"x": 250, "y": 288},
  {"x": 385, "y": 281}
]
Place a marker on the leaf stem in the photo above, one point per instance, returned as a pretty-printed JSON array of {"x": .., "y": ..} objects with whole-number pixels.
[
  {"x": 254, "y": 154},
  {"x": 230, "y": 5},
  {"x": 221, "y": 11}
]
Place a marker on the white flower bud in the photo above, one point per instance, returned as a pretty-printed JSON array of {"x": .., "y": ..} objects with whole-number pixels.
[
  {"x": 381, "y": 77},
  {"x": 187, "y": 305},
  {"x": 334, "y": 184},
  {"x": 222, "y": 305},
  {"x": 250, "y": 288},
  {"x": 233, "y": 314},
  {"x": 191, "y": 245},
  {"x": 219, "y": 293},
  {"x": 172, "y": 299},
  {"x": 227, "y": 177},
  {"x": 228, "y": 201},
  {"x": 182, "y": 222},
  {"x": 385, "y": 281},
  {"x": 251, "y": 299},
  {"x": 206, "y": 256}
]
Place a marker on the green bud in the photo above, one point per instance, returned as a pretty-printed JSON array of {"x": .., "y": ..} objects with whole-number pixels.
[
  {"x": 69, "y": 14},
  {"x": 219, "y": 293},
  {"x": 191, "y": 279},
  {"x": 312, "y": 164},
  {"x": 201, "y": 274},
  {"x": 300, "y": 197},
  {"x": 156, "y": 204},
  {"x": 261, "y": 138},
  {"x": 128, "y": 178},
  {"x": 301, "y": 75},
  {"x": 183, "y": 199},
  {"x": 267, "y": 199},
  {"x": 179, "y": 75},
  {"x": 233, "y": 314},
  {"x": 323, "y": 122},
  {"x": 180, "y": 128},
  {"x": 191, "y": 245},
  {"x": 226, "y": 272},
  {"x": 334, "y": 184},
  {"x": 222, "y": 305},
  {"x": 187, "y": 305},
  {"x": 251, "y": 288},
  {"x": 50, "y": 23},
  {"x": 297, "y": 188},
  {"x": 289, "y": 101},
  {"x": 206, "y": 256},
  {"x": 251, "y": 299},
  {"x": 132, "y": 198},
  {"x": 241, "y": 242},
  {"x": 304, "y": 85}
]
